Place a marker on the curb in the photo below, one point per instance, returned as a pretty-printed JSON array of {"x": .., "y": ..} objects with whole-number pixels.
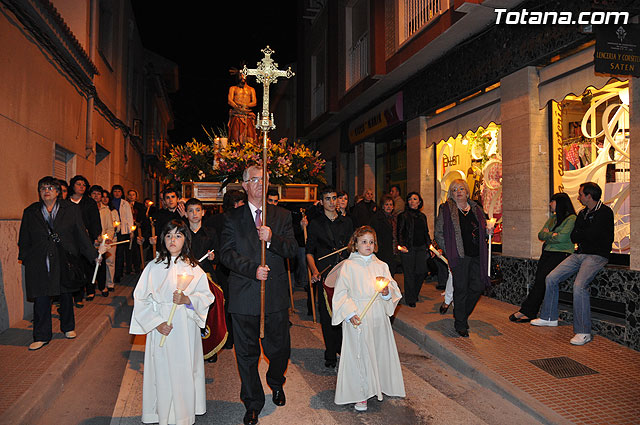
[
  {"x": 46, "y": 389},
  {"x": 437, "y": 346}
]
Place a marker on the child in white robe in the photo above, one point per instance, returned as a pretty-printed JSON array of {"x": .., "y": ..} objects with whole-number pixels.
[
  {"x": 174, "y": 382},
  {"x": 369, "y": 362}
]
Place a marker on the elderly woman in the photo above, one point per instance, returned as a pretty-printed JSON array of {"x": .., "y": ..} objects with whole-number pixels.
[
  {"x": 461, "y": 231},
  {"x": 413, "y": 244},
  {"x": 51, "y": 233}
]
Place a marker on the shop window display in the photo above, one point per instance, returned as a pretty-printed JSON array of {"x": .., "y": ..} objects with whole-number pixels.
[
  {"x": 590, "y": 136},
  {"x": 477, "y": 158}
]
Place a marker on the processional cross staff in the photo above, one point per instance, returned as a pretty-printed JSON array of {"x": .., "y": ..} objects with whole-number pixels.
[{"x": 266, "y": 73}]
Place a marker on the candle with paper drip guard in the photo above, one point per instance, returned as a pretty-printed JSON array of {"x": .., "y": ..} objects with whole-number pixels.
[
  {"x": 380, "y": 284},
  {"x": 184, "y": 280},
  {"x": 490, "y": 226},
  {"x": 99, "y": 260}
]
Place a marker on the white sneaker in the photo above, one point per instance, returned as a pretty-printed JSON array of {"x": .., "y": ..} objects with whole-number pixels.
[
  {"x": 580, "y": 339},
  {"x": 70, "y": 334},
  {"x": 542, "y": 322},
  {"x": 361, "y": 406}
]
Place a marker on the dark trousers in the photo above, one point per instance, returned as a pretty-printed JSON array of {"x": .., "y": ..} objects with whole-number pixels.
[
  {"x": 132, "y": 256},
  {"x": 332, "y": 335},
  {"x": 549, "y": 260},
  {"x": 42, "y": 316},
  {"x": 443, "y": 273},
  {"x": 276, "y": 345},
  {"x": 467, "y": 289},
  {"x": 88, "y": 288},
  {"x": 101, "y": 278},
  {"x": 414, "y": 266},
  {"x": 121, "y": 252}
]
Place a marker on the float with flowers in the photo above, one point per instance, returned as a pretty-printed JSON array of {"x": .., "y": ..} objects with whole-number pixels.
[{"x": 206, "y": 170}]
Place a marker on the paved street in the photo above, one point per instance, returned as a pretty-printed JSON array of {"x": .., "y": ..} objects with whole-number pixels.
[{"x": 488, "y": 378}]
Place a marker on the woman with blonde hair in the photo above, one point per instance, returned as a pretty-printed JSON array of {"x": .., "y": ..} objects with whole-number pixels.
[{"x": 461, "y": 231}]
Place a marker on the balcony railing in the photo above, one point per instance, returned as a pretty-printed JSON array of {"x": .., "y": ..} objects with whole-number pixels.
[
  {"x": 358, "y": 61},
  {"x": 418, "y": 13}
]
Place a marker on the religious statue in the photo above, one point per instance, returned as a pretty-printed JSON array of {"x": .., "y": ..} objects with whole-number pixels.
[{"x": 242, "y": 120}]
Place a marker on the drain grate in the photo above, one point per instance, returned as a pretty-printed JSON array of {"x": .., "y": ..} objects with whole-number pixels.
[{"x": 563, "y": 367}]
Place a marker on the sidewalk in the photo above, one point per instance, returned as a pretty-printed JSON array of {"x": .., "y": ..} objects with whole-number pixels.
[
  {"x": 31, "y": 380},
  {"x": 498, "y": 355}
]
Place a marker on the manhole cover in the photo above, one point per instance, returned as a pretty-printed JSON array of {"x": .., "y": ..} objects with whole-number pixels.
[{"x": 563, "y": 367}]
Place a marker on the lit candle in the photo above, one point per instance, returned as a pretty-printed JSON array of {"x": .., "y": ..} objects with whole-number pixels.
[
  {"x": 402, "y": 249},
  {"x": 380, "y": 283},
  {"x": 437, "y": 253},
  {"x": 184, "y": 280},
  {"x": 131, "y": 236},
  {"x": 491, "y": 223},
  {"x": 153, "y": 235},
  {"x": 95, "y": 271},
  {"x": 149, "y": 206}
]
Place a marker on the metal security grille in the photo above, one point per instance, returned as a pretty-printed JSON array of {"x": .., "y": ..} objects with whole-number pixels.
[{"x": 563, "y": 367}]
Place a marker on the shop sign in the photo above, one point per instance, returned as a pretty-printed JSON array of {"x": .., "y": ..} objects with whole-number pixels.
[
  {"x": 384, "y": 115},
  {"x": 617, "y": 50},
  {"x": 557, "y": 158}
]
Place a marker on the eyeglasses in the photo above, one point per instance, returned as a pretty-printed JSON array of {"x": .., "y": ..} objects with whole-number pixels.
[
  {"x": 45, "y": 188},
  {"x": 254, "y": 180}
]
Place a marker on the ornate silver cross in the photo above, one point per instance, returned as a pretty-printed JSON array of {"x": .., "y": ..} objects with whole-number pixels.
[{"x": 266, "y": 73}]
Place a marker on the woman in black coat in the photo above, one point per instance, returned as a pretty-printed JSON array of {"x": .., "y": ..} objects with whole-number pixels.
[
  {"x": 385, "y": 224},
  {"x": 413, "y": 241},
  {"x": 50, "y": 227}
]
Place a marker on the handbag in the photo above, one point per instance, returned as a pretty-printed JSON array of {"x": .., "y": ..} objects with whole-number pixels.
[{"x": 72, "y": 271}]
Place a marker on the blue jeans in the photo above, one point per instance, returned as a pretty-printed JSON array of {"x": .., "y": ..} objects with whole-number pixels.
[{"x": 587, "y": 267}]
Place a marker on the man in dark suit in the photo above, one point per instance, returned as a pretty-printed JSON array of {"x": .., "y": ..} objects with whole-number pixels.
[{"x": 242, "y": 233}]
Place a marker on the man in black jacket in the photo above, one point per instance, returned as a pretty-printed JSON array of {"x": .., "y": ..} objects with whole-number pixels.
[
  {"x": 242, "y": 233},
  {"x": 593, "y": 232},
  {"x": 327, "y": 233}
]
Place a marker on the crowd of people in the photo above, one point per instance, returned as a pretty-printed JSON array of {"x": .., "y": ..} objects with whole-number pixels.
[{"x": 340, "y": 255}]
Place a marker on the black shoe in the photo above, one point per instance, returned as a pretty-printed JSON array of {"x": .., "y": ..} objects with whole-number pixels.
[
  {"x": 250, "y": 417},
  {"x": 278, "y": 398},
  {"x": 330, "y": 363},
  {"x": 513, "y": 318},
  {"x": 444, "y": 307},
  {"x": 79, "y": 304},
  {"x": 464, "y": 333},
  {"x": 228, "y": 345},
  {"x": 90, "y": 297},
  {"x": 111, "y": 289},
  {"x": 105, "y": 293},
  {"x": 213, "y": 358},
  {"x": 412, "y": 305}
]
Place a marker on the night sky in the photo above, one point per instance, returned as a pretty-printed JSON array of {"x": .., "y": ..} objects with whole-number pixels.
[{"x": 205, "y": 42}]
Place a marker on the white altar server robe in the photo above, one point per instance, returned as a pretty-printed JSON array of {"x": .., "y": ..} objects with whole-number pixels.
[
  {"x": 369, "y": 362},
  {"x": 174, "y": 383}
]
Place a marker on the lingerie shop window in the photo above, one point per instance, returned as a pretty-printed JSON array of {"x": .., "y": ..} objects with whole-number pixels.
[
  {"x": 590, "y": 137},
  {"x": 475, "y": 157}
]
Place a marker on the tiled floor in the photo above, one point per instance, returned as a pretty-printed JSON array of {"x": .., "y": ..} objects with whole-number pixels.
[
  {"x": 610, "y": 396},
  {"x": 21, "y": 368}
]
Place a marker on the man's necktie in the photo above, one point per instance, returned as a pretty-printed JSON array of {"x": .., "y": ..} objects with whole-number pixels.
[{"x": 258, "y": 219}]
